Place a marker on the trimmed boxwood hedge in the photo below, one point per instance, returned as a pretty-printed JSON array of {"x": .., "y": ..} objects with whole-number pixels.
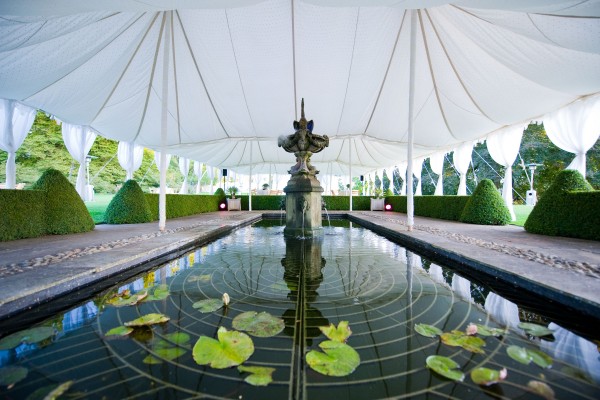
[
  {"x": 333, "y": 203},
  {"x": 23, "y": 214},
  {"x": 128, "y": 206},
  {"x": 569, "y": 207},
  {"x": 65, "y": 210},
  {"x": 441, "y": 207},
  {"x": 486, "y": 206},
  {"x": 182, "y": 205}
]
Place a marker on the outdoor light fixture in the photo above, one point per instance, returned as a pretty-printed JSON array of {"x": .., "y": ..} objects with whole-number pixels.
[
  {"x": 222, "y": 205},
  {"x": 388, "y": 207}
]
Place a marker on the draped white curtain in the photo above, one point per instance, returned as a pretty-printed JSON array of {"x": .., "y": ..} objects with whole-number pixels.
[
  {"x": 504, "y": 146},
  {"x": 184, "y": 168},
  {"x": 79, "y": 140},
  {"x": 417, "y": 169},
  {"x": 402, "y": 173},
  {"x": 462, "y": 159},
  {"x": 198, "y": 173},
  {"x": 157, "y": 160},
  {"x": 130, "y": 157},
  {"x": 575, "y": 128},
  {"x": 16, "y": 120},
  {"x": 211, "y": 176},
  {"x": 436, "y": 162}
]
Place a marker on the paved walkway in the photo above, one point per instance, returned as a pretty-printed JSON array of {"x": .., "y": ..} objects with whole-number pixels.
[{"x": 34, "y": 270}]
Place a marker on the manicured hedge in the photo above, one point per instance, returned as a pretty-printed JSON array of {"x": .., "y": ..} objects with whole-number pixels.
[
  {"x": 181, "y": 205},
  {"x": 23, "y": 214},
  {"x": 333, "y": 203},
  {"x": 569, "y": 207},
  {"x": 441, "y": 207},
  {"x": 128, "y": 206},
  {"x": 65, "y": 210},
  {"x": 486, "y": 206},
  {"x": 260, "y": 202}
]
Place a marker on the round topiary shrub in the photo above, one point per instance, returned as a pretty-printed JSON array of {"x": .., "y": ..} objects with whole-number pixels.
[
  {"x": 65, "y": 210},
  {"x": 129, "y": 206},
  {"x": 485, "y": 206},
  {"x": 552, "y": 215}
]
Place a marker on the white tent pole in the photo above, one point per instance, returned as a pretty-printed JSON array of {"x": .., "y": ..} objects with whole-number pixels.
[
  {"x": 250, "y": 181},
  {"x": 350, "y": 170},
  {"x": 410, "y": 205},
  {"x": 162, "y": 197}
]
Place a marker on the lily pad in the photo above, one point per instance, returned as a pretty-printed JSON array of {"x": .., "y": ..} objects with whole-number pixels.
[
  {"x": 11, "y": 375},
  {"x": 199, "y": 278},
  {"x": 164, "y": 353},
  {"x": 540, "y": 358},
  {"x": 160, "y": 292},
  {"x": 428, "y": 330},
  {"x": 525, "y": 356},
  {"x": 125, "y": 298},
  {"x": 487, "y": 331},
  {"x": 486, "y": 376},
  {"x": 260, "y": 324},
  {"x": 339, "y": 334},
  {"x": 119, "y": 331},
  {"x": 467, "y": 342},
  {"x": 208, "y": 305},
  {"x": 338, "y": 359},
  {"x": 232, "y": 348},
  {"x": 542, "y": 389},
  {"x": 179, "y": 338},
  {"x": 535, "y": 329},
  {"x": 148, "y": 319},
  {"x": 33, "y": 335},
  {"x": 259, "y": 376},
  {"x": 446, "y": 367},
  {"x": 50, "y": 392}
]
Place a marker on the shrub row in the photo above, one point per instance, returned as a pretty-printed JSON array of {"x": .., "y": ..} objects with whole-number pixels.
[
  {"x": 182, "y": 205},
  {"x": 441, "y": 207},
  {"x": 23, "y": 214},
  {"x": 333, "y": 203}
]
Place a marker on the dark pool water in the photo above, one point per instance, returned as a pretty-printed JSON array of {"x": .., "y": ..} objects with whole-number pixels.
[{"x": 351, "y": 274}]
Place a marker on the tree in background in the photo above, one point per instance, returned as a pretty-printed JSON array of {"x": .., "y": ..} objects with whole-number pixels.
[{"x": 385, "y": 181}]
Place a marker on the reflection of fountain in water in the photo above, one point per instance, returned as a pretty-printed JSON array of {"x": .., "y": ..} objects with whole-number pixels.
[{"x": 324, "y": 205}]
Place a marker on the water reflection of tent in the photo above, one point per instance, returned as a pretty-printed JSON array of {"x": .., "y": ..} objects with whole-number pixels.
[
  {"x": 78, "y": 317},
  {"x": 505, "y": 312}
]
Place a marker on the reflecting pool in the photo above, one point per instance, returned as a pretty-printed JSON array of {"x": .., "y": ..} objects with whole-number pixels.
[{"x": 350, "y": 274}]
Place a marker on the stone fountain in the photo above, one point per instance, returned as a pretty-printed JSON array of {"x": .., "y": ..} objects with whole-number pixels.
[{"x": 303, "y": 190}]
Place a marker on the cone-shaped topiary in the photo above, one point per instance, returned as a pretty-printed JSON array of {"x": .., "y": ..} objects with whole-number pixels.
[
  {"x": 65, "y": 210},
  {"x": 485, "y": 206},
  {"x": 552, "y": 215},
  {"x": 129, "y": 206}
]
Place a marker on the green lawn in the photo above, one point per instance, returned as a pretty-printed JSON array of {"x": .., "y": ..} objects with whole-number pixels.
[
  {"x": 97, "y": 208},
  {"x": 522, "y": 212}
]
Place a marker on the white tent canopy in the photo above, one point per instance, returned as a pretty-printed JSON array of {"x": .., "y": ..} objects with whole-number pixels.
[{"x": 237, "y": 70}]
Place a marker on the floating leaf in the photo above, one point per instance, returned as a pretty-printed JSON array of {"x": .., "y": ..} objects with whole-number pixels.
[
  {"x": 428, "y": 330},
  {"x": 339, "y": 334},
  {"x": 519, "y": 354},
  {"x": 486, "y": 376},
  {"x": 467, "y": 342},
  {"x": 166, "y": 353},
  {"x": 208, "y": 305},
  {"x": 487, "y": 331},
  {"x": 232, "y": 348},
  {"x": 338, "y": 359},
  {"x": 540, "y": 358},
  {"x": 11, "y": 375},
  {"x": 179, "y": 338},
  {"x": 160, "y": 292},
  {"x": 33, "y": 335},
  {"x": 119, "y": 331},
  {"x": 142, "y": 334},
  {"x": 446, "y": 367},
  {"x": 535, "y": 329},
  {"x": 148, "y": 319},
  {"x": 199, "y": 278},
  {"x": 260, "y": 324},
  {"x": 541, "y": 389},
  {"x": 60, "y": 389},
  {"x": 259, "y": 376},
  {"x": 125, "y": 298}
]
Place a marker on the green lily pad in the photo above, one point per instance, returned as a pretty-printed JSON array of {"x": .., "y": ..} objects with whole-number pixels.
[
  {"x": 487, "y": 331},
  {"x": 486, "y": 376},
  {"x": 535, "y": 329},
  {"x": 232, "y": 348},
  {"x": 119, "y": 331},
  {"x": 179, "y": 338},
  {"x": 208, "y": 305},
  {"x": 428, "y": 330},
  {"x": 339, "y": 334},
  {"x": 32, "y": 335},
  {"x": 11, "y": 375},
  {"x": 142, "y": 334},
  {"x": 467, "y": 342},
  {"x": 541, "y": 389},
  {"x": 166, "y": 353},
  {"x": 519, "y": 354},
  {"x": 199, "y": 278},
  {"x": 540, "y": 358},
  {"x": 446, "y": 367},
  {"x": 125, "y": 298},
  {"x": 260, "y": 324},
  {"x": 160, "y": 292},
  {"x": 338, "y": 359},
  {"x": 259, "y": 376},
  {"x": 148, "y": 319}
]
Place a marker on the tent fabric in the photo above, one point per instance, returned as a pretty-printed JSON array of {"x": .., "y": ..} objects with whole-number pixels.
[
  {"x": 130, "y": 157},
  {"x": 157, "y": 160},
  {"x": 504, "y": 146},
  {"x": 79, "y": 140},
  {"x": 436, "y": 162},
  {"x": 417, "y": 169},
  {"x": 462, "y": 159},
  {"x": 198, "y": 172},
  {"x": 237, "y": 70},
  {"x": 16, "y": 120},
  {"x": 575, "y": 128},
  {"x": 184, "y": 168}
]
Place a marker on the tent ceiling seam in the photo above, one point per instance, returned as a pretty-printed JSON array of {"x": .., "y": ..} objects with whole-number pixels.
[
  {"x": 237, "y": 66},
  {"x": 24, "y": 42},
  {"x": 366, "y": 149},
  {"x": 349, "y": 70},
  {"x": 137, "y": 48},
  {"x": 294, "y": 60},
  {"x": 200, "y": 74},
  {"x": 175, "y": 81},
  {"x": 260, "y": 152},
  {"x": 229, "y": 155},
  {"x": 386, "y": 72},
  {"x": 540, "y": 31},
  {"x": 162, "y": 28}
]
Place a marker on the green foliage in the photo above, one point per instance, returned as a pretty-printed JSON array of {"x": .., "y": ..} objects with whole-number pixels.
[
  {"x": 220, "y": 194},
  {"x": 65, "y": 210},
  {"x": 181, "y": 205},
  {"x": 128, "y": 206},
  {"x": 262, "y": 202},
  {"x": 486, "y": 206},
  {"x": 23, "y": 214},
  {"x": 442, "y": 207},
  {"x": 568, "y": 208}
]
